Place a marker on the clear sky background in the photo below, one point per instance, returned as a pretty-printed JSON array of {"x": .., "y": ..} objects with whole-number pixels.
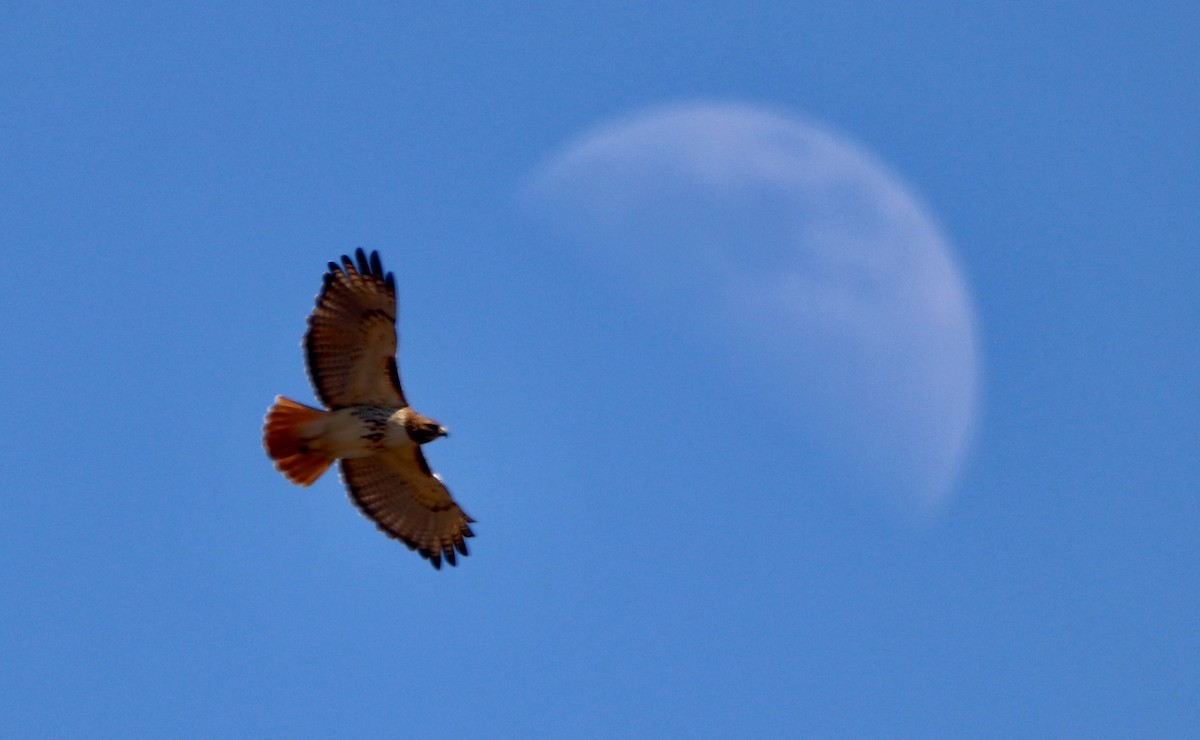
[{"x": 655, "y": 555}]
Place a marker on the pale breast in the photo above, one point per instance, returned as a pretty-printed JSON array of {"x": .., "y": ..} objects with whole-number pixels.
[{"x": 354, "y": 431}]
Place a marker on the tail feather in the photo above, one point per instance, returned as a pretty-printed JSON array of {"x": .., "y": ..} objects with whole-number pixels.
[{"x": 284, "y": 438}]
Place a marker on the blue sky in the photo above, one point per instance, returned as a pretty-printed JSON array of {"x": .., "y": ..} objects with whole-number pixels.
[{"x": 660, "y": 550}]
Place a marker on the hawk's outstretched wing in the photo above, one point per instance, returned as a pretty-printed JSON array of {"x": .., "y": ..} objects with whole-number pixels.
[
  {"x": 350, "y": 346},
  {"x": 406, "y": 501}
]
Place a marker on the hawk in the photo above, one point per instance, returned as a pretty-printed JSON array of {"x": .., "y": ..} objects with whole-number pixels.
[{"x": 366, "y": 423}]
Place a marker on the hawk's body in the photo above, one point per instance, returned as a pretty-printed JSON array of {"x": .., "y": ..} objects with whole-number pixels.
[{"x": 369, "y": 427}]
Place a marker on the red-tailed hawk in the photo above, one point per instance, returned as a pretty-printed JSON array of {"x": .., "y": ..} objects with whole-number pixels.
[{"x": 366, "y": 425}]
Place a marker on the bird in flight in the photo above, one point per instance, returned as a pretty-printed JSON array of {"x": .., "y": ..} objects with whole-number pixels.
[{"x": 366, "y": 423}]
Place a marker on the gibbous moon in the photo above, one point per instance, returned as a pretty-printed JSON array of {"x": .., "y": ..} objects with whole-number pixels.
[{"x": 820, "y": 272}]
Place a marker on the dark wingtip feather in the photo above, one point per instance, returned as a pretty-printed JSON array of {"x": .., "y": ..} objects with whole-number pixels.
[
  {"x": 376, "y": 265},
  {"x": 448, "y": 553},
  {"x": 434, "y": 560},
  {"x": 334, "y": 268},
  {"x": 461, "y": 547},
  {"x": 360, "y": 257}
]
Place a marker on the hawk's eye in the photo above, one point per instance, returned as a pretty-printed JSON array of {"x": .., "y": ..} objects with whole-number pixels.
[{"x": 427, "y": 432}]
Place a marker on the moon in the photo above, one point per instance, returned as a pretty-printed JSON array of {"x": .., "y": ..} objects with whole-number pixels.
[{"x": 790, "y": 245}]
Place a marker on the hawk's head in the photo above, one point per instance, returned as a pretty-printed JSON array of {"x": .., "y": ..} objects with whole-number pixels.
[{"x": 421, "y": 429}]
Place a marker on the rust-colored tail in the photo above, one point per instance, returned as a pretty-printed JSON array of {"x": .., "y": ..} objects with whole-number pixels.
[{"x": 283, "y": 437}]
